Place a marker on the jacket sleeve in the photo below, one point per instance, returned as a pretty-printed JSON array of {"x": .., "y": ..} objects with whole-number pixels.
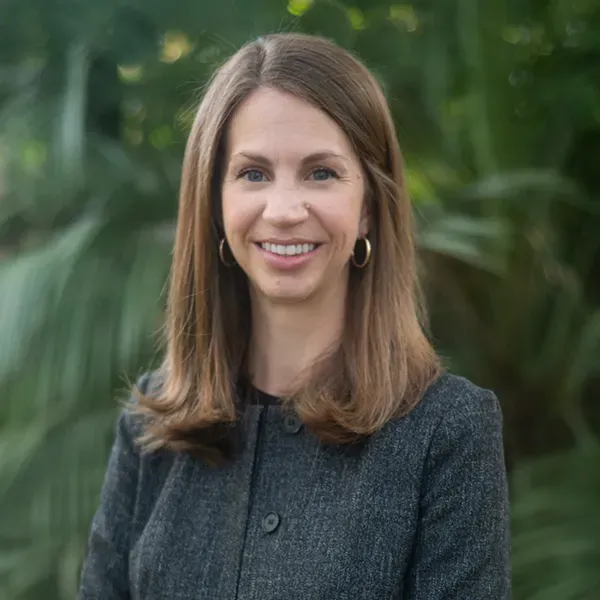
[
  {"x": 462, "y": 547},
  {"x": 105, "y": 573}
]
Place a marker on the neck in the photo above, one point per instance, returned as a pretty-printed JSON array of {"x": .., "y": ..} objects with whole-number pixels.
[{"x": 287, "y": 339}]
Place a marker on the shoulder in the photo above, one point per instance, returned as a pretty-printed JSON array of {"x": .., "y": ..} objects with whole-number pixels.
[
  {"x": 147, "y": 383},
  {"x": 463, "y": 424},
  {"x": 455, "y": 399},
  {"x": 452, "y": 414},
  {"x": 132, "y": 420}
]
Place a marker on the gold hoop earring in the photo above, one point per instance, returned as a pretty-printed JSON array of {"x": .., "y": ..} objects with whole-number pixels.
[
  {"x": 222, "y": 254},
  {"x": 365, "y": 261}
]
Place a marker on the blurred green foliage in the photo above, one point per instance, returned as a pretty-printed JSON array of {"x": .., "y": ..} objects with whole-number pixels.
[{"x": 498, "y": 112}]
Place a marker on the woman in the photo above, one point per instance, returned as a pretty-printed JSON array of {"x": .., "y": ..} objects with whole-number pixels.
[{"x": 299, "y": 440}]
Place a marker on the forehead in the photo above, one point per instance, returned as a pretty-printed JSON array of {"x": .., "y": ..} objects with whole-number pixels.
[{"x": 273, "y": 122}]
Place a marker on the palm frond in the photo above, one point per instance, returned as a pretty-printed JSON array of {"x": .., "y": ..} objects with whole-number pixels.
[{"x": 555, "y": 546}]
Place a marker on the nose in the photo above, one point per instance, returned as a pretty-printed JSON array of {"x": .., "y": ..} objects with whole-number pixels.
[{"x": 285, "y": 206}]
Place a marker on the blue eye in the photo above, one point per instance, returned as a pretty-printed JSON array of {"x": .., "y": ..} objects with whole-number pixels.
[
  {"x": 323, "y": 174},
  {"x": 253, "y": 175}
]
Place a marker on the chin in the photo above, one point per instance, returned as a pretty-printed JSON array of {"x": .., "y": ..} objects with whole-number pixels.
[
  {"x": 287, "y": 294},
  {"x": 289, "y": 298}
]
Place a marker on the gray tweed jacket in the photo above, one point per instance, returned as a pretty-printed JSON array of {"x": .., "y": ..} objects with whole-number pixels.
[{"x": 417, "y": 512}]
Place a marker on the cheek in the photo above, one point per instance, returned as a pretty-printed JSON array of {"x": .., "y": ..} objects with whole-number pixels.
[
  {"x": 238, "y": 214},
  {"x": 341, "y": 217}
]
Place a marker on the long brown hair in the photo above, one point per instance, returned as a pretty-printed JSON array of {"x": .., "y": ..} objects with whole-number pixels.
[{"x": 384, "y": 362}]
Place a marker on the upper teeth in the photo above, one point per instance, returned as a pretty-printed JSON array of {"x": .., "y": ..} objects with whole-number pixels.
[{"x": 288, "y": 250}]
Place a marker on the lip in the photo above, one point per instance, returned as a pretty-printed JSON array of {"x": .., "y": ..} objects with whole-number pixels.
[
  {"x": 290, "y": 242},
  {"x": 290, "y": 262}
]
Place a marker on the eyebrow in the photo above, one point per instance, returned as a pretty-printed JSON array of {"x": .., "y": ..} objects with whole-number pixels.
[{"x": 311, "y": 158}]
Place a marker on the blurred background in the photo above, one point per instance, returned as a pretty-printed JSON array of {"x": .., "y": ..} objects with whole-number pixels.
[{"x": 498, "y": 111}]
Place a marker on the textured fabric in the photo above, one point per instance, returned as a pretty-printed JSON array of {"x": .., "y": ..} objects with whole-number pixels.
[{"x": 417, "y": 512}]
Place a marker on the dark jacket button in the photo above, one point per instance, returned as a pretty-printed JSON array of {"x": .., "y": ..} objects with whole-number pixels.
[
  {"x": 291, "y": 424},
  {"x": 271, "y": 522}
]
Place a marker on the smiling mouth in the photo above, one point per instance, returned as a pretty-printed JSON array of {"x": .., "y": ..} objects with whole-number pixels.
[{"x": 288, "y": 249}]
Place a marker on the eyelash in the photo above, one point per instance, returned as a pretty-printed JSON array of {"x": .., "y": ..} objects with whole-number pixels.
[{"x": 327, "y": 170}]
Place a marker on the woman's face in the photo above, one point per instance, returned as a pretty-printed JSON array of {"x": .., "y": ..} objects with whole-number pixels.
[{"x": 292, "y": 196}]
